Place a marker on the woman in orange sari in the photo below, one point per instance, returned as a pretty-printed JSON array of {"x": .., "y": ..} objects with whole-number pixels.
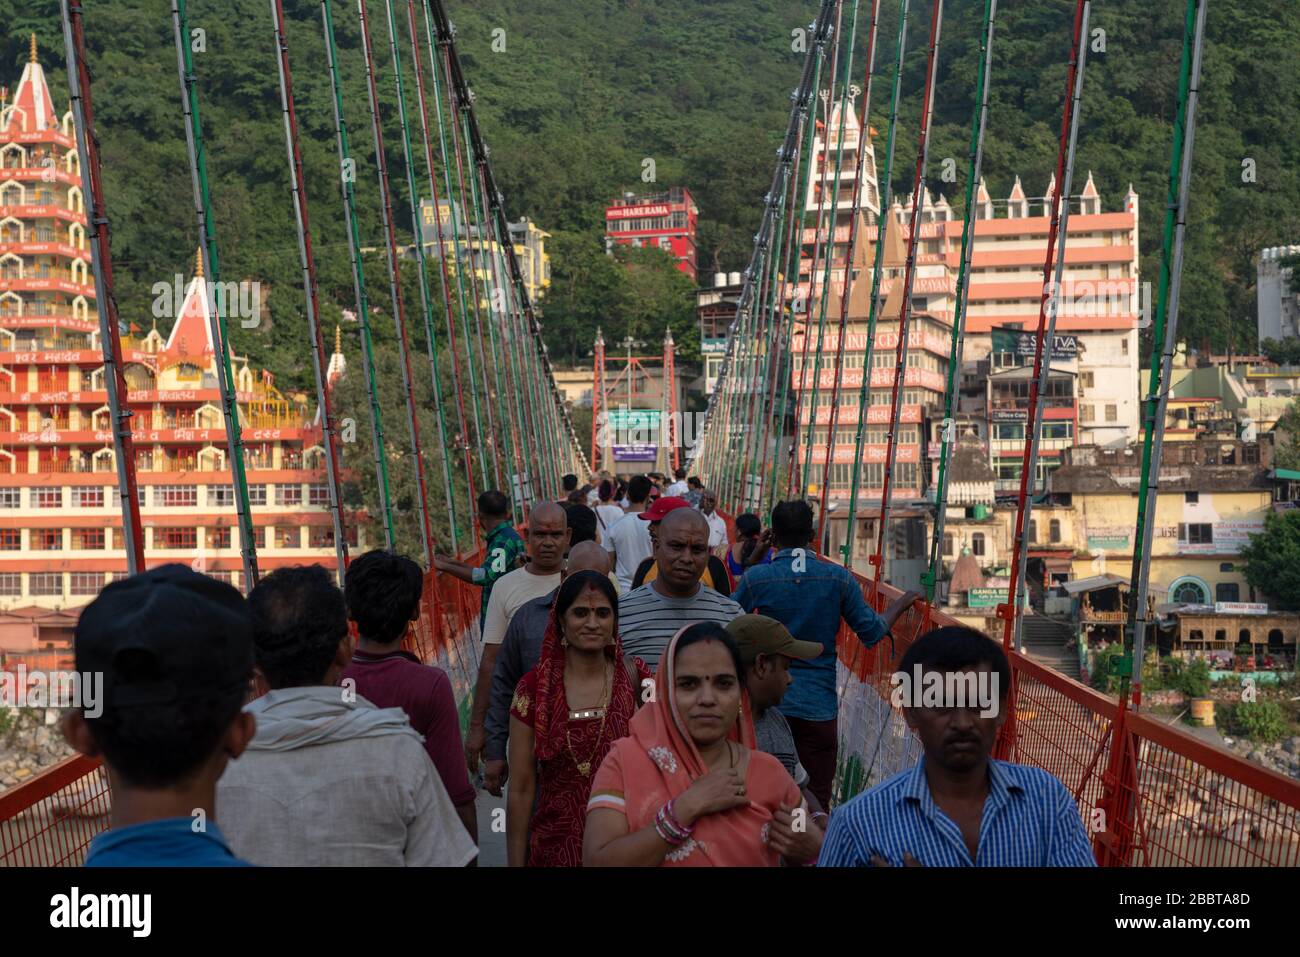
[{"x": 688, "y": 787}]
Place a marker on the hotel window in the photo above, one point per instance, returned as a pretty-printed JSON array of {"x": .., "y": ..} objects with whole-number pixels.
[
  {"x": 45, "y": 583},
  {"x": 288, "y": 536},
  {"x": 85, "y": 496},
  {"x": 175, "y": 538},
  {"x": 318, "y": 495},
  {"x": 1196, "y": 534},
  {"x": 1227, "y": 591},
  {"x": 11, "y": 584},
  {"x": 257, "y": 495},
  {"x": 320, "y": 536},
  {"x": 1191, "y": 498},
  {"x": 47, "y": 539},
  {"x": 288, "y": 494},
  {"x": 947, "y": 545},
  {"x": 141, "y": 493},
  {"x": 1056, "y": 430},
  {"x": 1008, "y": 430},
  {"x": 218, "y": 537},
  {"x": 176, "y": 495},
  {"x": 1123, "y": 345},
  {"x": 1033, "y": 531},
  {"x": 220, "y": 496},
  {"x": 87, "y": 538},
  {"x": 1085, "y": 413},
  {"x": 11, "y": 539},
  {"x": 1086, "y": 379},
  {"x": 11, "y": 498},
  {"x": 47, "y": 498},
  {"x": 86, "y": 583},
  {"x": 977, "y": 544},
  {"x": 1054, "y": 531},
  {"x": 1112, "y": 413}
]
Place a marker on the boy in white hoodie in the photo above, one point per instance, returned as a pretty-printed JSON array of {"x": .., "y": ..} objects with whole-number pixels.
[{"x": 329, "y": 779}]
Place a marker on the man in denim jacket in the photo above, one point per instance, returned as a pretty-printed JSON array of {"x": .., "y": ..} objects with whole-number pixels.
[{"x": 810, "y": 596}]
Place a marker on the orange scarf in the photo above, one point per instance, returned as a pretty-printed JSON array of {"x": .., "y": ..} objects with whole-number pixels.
[{"x": 659, "y": 761}]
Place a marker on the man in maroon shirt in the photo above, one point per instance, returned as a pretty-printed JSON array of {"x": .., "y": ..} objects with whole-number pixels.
[{"x": 383, "y": 597}]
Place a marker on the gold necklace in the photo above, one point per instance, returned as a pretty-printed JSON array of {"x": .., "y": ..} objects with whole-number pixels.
[{"x": 584, "y": 767}]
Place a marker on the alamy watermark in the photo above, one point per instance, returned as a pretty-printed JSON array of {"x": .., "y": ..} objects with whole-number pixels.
[
  {"x": 638, "y": 428},
  {"x": 240, "y": 300},
  {"x": 946, "y": 689},
  {"x": 35, "y": 688}
]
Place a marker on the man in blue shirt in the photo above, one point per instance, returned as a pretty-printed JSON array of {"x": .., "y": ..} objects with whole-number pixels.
[
  {"x": 176, "y": 652},
  {"x": 810, "y": 597},
  {"x": 958, "y": 807}
]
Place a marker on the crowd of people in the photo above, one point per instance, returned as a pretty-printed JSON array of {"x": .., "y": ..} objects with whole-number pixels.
[{"x": 649, "y": 693}]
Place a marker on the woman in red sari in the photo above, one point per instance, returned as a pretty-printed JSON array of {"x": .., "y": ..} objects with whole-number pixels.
[
  {"x": 566, "y": 713},
  {"x": 688, "y": 787}
]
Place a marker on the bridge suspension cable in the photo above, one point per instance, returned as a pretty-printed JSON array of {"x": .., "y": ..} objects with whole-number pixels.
[
  {"x": 216, "y": 304},
  {"x": 347, "y": 177},
  {"x": 1164, "y": 337},
  {"x": 979, "y": 119},
  {"x": 329, "y": 434},
  {"x": 92, "y": 187},
  {"x": 1012, "y": 612}
]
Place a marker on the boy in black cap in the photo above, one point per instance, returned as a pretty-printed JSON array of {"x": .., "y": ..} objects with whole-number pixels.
[
  {"x": 766, "y": 648},
  {"x": 176, "y": 652}
]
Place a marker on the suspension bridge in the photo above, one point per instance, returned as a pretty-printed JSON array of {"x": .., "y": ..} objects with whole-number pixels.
[{"x": 1149, "y": 792}]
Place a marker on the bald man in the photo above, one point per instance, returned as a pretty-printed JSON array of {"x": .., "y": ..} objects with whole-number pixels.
[
  {"x": 650, "y": 615},
  {"x": 519, "y": 653},
  {"x": 548, "y": 543}
]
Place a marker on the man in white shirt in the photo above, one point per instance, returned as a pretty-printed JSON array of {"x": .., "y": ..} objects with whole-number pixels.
[
  {"x": 628, "y": 539},
  {"x": 548, "y": 543},
  {"x": 679, "y": 488},
  {"x": 717, "y": 527},
  {"x": 329, "y": 779}
]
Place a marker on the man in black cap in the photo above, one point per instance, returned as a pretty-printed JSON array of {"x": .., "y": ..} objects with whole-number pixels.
[
  {"x": 176, "y": 652},
  {"x": 766, "y": 647}
]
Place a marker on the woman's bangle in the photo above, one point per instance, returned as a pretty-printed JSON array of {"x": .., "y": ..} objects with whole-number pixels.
[
  {"x": 668, "y": 828},
  {"x": 671, "y": 810}
]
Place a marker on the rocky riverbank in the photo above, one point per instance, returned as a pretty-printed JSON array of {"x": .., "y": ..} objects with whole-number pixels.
[{"x": 29, "y": 743}]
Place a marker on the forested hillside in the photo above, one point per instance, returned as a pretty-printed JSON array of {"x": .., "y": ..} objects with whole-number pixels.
[{"x": 585, "y": 90}]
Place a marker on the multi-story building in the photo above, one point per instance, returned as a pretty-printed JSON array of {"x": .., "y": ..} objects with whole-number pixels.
[
  {"x": 664, "y": 220},
  {"x": 715, "y": 308},
  {"x": 60, "y": 504},
  {"x": 1213, "y": 494},
  {"x": 1278, "y": 294},
  {"x": 529, "y": 241},
  {"x": 1092, "y": 393},
  {"x": 526, "y": 237}
]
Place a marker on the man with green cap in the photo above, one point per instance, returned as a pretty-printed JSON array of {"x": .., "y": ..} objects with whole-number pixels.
[{"x": 766, "y": 647}]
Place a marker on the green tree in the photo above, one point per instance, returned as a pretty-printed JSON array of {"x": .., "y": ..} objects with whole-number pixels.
[
  {"x": 1287, "y": 454},
  {"x": 1271, "y": 560}
]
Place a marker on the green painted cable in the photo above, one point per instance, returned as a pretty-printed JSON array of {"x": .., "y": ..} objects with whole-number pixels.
[
  {"x": 346, "y": 165},
  {"x": 979, "y": 118},
  {"x": 431, "y": 339},
  {"x": 217, "y": 318},
  {"x": 886, "y": 193}
]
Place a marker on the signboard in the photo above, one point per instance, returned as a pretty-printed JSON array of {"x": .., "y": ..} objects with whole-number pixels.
[
  {"x": 713, "y": 346},
  {"x": 625, "y": 419},
  {"x": 1021, "y": 343},
  {"x": 1240, "y": 608},
  {"x": 1009, "y": 415},
  {"x": 636, "y": 212},
  {"x": 1105, "y": 542},
  {"x": 985, "y": 597},
  {"x": 636, "y": 453}
]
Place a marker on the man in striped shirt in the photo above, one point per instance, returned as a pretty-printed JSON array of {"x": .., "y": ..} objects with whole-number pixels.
[
  {"x": 649, "y": 616},
  {"x": 958, "y": 807}
]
